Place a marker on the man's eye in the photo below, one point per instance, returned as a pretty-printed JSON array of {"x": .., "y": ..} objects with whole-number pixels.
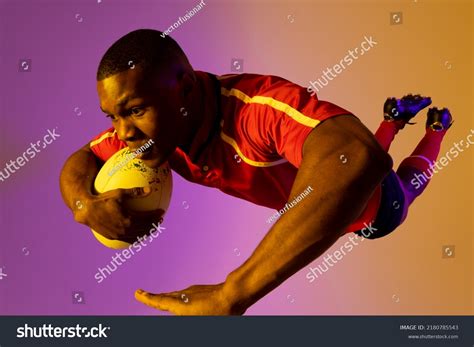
[
  {"x": 111, "y": 116},
  {"x": 136, "y": 111}
]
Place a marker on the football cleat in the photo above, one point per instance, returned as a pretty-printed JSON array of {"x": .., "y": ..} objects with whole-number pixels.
[
  {"x": 405, "y": 108},
  {"x": 439, "y": 120}
]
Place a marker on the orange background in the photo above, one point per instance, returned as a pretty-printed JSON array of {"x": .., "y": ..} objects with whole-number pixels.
[{"x": 405, "y": 272}]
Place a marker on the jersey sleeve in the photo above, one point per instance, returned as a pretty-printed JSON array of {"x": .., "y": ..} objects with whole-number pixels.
[
  {"x": 106, "y": 144},
  {"x": 293, "y": 115}
]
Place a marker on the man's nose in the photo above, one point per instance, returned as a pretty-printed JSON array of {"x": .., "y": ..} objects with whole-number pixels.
[{"x": 126, "y": 130}]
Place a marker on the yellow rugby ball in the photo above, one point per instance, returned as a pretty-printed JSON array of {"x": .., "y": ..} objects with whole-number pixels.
[{"x": 123, "y": 170}]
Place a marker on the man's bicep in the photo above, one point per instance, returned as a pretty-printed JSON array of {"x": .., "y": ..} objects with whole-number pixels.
[
  {"x": 343, "y": 131},
  {"x": 343, "y": 168},
  {"x": 333, "y": 146}
]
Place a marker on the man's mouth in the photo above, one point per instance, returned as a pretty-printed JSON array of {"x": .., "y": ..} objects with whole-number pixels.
[{"x": 144, "y": 151}]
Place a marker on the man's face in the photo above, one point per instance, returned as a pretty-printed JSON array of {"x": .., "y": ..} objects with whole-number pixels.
[{"x": 143, "y": 107}]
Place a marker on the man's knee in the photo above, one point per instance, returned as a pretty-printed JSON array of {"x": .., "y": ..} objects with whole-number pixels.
[{"x": 376, "y": 159}]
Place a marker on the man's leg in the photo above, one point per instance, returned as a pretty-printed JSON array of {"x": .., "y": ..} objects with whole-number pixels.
[
  {"x": 386, "y": 132},
  {"x": 415, "y": 171},
  {"x": 397, "y": 113},
  {"x": 397, "y": 188}
]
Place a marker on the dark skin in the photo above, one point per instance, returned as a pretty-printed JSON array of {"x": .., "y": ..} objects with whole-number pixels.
[
  {"x": 141, "y": 118},
  {"x": 341, "y": 190}
]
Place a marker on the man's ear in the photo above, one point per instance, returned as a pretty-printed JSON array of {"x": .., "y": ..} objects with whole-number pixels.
[{"x": 187, "y": 82}]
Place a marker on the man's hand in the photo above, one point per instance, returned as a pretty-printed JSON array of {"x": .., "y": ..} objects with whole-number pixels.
[
  {"x": 196, "y": 300},
  {"x": 106, "y": 214}
]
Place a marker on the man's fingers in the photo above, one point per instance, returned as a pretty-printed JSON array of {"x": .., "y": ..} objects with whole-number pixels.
[
  {"x": 158, "y": 301},
  {"x": 109, "y": 229},
  {"x": 137, "y": 192},
  {"x": 150, "y": 214}
]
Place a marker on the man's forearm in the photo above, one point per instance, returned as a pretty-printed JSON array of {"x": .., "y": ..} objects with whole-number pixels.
[
  {"x": 298, "y": 237},
  {"x": 284, "y": 250},
  {"x": 304, "y": 232},
  {"x": 77, "y": 177}
]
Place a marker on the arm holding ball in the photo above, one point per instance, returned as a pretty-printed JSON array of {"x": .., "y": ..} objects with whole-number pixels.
[{"x": 104, "y": 212}]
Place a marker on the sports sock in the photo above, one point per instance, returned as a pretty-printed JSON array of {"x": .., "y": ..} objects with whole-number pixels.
[
  {"x": 416, "y": 170},
  {"x": 386, "y": 132}
]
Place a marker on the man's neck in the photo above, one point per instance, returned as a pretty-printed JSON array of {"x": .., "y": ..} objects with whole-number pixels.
[{"x": 195, "y": 116}]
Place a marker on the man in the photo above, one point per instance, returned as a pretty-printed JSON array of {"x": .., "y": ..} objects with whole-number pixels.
[{"x": 259, "y": 138}]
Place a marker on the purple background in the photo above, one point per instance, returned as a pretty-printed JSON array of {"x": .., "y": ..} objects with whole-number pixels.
[{"x": 198, "y": 245}]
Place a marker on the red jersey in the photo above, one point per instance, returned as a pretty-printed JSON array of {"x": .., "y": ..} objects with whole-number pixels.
[{"x": 253, "y": 146}]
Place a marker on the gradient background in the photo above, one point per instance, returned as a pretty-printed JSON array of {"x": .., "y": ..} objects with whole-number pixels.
[{"x": 430, "y": 52}]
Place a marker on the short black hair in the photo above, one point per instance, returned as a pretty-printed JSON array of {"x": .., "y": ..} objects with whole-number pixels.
[{"x": 148, "y": 47}]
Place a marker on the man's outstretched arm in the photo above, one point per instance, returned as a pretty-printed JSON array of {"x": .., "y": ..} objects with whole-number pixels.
[
  {"x": 343, "y": 163},
  {"x": 341, "y": 190}
]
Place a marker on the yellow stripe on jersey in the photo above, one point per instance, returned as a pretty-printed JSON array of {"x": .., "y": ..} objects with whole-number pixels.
[
  {"x": 223, "y": 77},
  {"x": 251, "y": 162},
  {"x": 102, "y": 138},
  {"x": 278, "y": 105}
]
